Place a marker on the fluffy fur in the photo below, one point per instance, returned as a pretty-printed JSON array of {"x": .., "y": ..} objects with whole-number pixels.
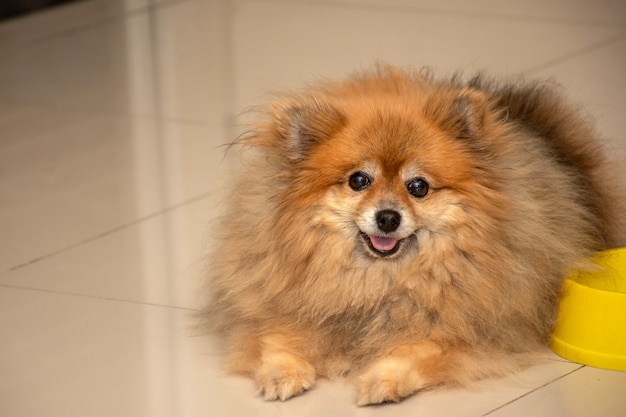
[{"x": 310, "y": 280}]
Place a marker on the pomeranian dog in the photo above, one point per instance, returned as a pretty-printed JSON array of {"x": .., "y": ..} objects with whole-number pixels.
[{"x": 404, "y": 232}]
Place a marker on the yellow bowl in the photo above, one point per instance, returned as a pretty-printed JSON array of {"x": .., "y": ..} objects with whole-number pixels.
[{"x": 591, "y": 328}]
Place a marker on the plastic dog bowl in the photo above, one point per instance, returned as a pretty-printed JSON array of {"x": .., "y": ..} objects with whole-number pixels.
[{"x": 591, "y": 328}]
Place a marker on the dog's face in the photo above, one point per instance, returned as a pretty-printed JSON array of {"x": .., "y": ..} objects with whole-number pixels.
[
  {"x": 386, "y": 222},
  {"x": 384, "y": 214},
  {"x": 385, "y": 177},
  {"x": 394, "y": 189}
]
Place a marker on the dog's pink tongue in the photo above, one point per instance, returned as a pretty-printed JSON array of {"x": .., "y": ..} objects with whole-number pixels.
[{"x": 383, "y": 243}]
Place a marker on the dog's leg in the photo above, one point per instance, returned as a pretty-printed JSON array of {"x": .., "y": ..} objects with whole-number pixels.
[
  {"x": 397, "y": 375},
  {"x": 283, "y": 372}
]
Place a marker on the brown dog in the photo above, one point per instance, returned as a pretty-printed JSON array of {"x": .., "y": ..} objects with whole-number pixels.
[{"x": 405, "y": 233}]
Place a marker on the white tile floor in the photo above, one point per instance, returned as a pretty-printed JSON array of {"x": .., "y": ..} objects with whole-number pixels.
[{"x": 111, "y": 114}]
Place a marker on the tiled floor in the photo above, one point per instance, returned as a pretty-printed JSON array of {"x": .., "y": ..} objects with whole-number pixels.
[{"x": 111, "y": 117}]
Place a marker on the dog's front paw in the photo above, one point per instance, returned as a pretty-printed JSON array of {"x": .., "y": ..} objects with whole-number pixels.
[
  {"x": 283, "y": 375},
  {"x": 389, "y": 380}
]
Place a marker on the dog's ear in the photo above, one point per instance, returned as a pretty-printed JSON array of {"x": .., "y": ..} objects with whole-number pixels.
[
  {"x": 301, "y": 126},
  {"x": 463, "y": 112}
]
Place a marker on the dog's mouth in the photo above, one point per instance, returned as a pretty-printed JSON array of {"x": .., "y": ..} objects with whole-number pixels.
[{"x": 381, "y": 245}]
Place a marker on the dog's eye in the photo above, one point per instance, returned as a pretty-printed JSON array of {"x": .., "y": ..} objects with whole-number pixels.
[
  {"x": 417, "y": 187},
  {"x": 359, "y": 181}
]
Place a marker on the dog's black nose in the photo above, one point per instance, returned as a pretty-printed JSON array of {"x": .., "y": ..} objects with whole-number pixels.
[{"x": 388, "y": 220}]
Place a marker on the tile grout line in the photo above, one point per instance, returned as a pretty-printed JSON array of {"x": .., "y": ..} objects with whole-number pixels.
[
  {"x": 574, "y": 54},
  {"x": 462, "y": 14},
  {"x": 97, "y": 22},
  {"x": 95, "y": 297},
  {"x": 109, "y": 232},
  {"x": 118, "y": 115},
  {"x": 534, "y": 390}
]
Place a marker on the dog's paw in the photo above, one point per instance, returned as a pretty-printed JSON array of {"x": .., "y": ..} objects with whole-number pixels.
[
  {"x": 389, "y": 380},
  {"x": 283, "y": 375}
]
